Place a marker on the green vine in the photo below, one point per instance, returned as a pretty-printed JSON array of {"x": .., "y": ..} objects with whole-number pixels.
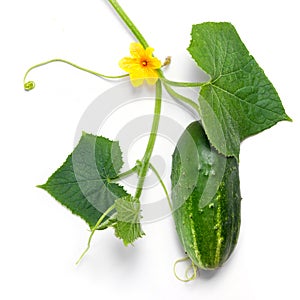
[{"x": 236, "y": 102}]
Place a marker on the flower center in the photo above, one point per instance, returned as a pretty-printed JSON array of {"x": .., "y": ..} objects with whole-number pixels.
[{"x": 144, "y": 63}]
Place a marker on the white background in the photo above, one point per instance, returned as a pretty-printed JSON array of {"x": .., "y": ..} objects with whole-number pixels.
[{"x": 40, "y": 240}]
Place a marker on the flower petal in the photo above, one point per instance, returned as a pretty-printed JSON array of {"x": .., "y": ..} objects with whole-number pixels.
[
  {"x": 151, "y": 76},
  {"x": 137, "y": 50},
  {"x": 154, "y": 63},
  {"x": 136, "y": 79},
  {"x": 149, "y": 52},
  {"x": 151, "y": 80},
  {"x": 129, "y": 64},
  {"x": 141, "y": 65}
]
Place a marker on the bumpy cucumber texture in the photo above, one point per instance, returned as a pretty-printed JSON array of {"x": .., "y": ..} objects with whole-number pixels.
[{"x": 206, "y": 199}]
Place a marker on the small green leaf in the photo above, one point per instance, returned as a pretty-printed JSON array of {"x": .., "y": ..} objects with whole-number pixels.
[
  {"x": 128, "y": 227},
  {"x": 239, "y": 100},
  {"x": 81, "y": 182}
]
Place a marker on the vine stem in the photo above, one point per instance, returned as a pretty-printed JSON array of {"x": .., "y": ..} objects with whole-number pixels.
[
  {"x": 146, "y": 158},
  {"x": 157, "y": 109},
  {"x": 128, "y": 22}
]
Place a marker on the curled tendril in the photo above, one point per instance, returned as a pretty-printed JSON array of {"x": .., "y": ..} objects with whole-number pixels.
[
  {"x": 28, "y": 86},
  {"x": 192, "y": 267}
]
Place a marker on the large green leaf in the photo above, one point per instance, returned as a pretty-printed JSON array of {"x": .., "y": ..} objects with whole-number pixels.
[
  {"x": 81, "y": 183},
  {"x": 239, "y": 100}
]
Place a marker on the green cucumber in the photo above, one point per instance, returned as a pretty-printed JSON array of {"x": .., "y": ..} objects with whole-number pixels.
[{"x": 206, "y": 199}]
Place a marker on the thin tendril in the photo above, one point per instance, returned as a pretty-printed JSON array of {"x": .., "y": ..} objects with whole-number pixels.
[
  {"x": 30, "y": 84},
  {"x": 162, "y": 184},
  {"x": 192, "y": 266},
  {"x": 93, "y": 231}
]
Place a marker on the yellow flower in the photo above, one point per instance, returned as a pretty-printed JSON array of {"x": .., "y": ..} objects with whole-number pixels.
[{"x": 141, "y": 65}]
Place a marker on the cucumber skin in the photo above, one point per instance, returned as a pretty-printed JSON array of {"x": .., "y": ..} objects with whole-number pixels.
[{"x": 208, "y": 233}]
